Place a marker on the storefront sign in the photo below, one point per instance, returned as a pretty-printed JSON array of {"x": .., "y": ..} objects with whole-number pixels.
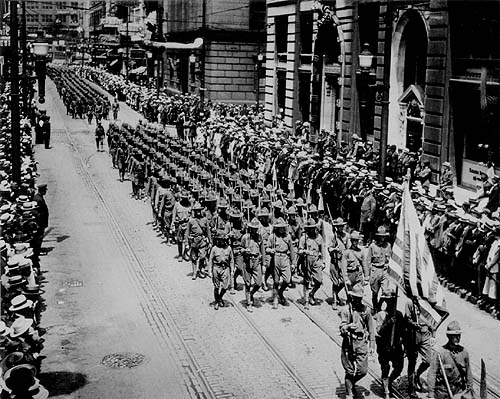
[{"x": 471, "y": 173}]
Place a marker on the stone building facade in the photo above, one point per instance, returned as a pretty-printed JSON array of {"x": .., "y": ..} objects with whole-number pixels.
[
  {"x": 234, "y": 33},
  {"x": 442, "y": 78}
]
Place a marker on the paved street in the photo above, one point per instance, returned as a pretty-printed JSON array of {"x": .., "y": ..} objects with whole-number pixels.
[{"x": 114, "y": 288}]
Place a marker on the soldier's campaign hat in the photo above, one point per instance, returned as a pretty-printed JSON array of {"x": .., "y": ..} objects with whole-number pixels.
[
  {"x": 220, "y": 235},
  {"x": 300, "y": 202},
  {"x": 338, "y": 222},
  {"x": 382, "y": 232},
  {"x": 197, "y": 207},
  {"x": 310, "y": 224},
  {"x": 357, "y": 291},
  {"x": 279, "y": 223},
  {"x": 291, "y": 210},
  {"x": 355, "y": 235},
  {"x": 388, "y": 293},
  {"x": 235, "y": 214},
  {"x": 278, "y": 204},
  {"x": 453, "y": 328},
  {"x": 262, "y": 212},
  {"x": 222, "y": 203},
  {"x": 41, "y": 186},
  {"x": 312, "y": 209}
]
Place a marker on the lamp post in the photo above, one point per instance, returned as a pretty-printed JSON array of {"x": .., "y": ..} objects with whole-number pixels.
[
  {"x": 40, "y": 50},
  {"x": 366, "y": 79},
  {"x": 14, "y": 96},
  {"x": 258, "y": 65}
]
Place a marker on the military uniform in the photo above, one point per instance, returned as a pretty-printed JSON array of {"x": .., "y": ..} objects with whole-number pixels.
[
  {"x": 358, "y": 335},
  {"x": 180, "y": 218},
  {"x": 311, "y": 248},
  {"x": 253, "y": 249},
  {"x": 221, "y": 262},
  {"x": 198, "y": 237},
  {"x": 376, "y": 261}
]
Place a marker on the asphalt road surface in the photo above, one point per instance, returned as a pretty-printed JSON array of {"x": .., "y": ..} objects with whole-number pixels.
[{"x": 125, "y": 320}]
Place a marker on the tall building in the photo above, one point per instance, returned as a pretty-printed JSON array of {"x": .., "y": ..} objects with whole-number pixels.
[
  {"x": 233, "y": 33},
  {"x": 57, "y": 18},
  {"x": 436, "y": 61}
]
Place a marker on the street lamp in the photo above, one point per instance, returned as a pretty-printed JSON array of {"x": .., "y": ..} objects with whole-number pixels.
[
  {"x": 258, "y": 60},
  {"x": 40, "y": 50},
  {"x": 365, "y": 58}
]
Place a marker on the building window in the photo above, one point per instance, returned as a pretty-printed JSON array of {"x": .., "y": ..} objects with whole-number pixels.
[
  {"x": 304, "y": 96},
  {"x": 257, "y": 14},
  {"x": 74, "y": 4},
  {"x": 281, "y": 29},
  {"x": 306, "y": 32},
  {"x": 280, "y": 92},
  {"x": 74, "y": 18},
  {"x": 30, "y": 18},
  {"x": 47, "y": 19},
  {"x": 47, "y": 6}
]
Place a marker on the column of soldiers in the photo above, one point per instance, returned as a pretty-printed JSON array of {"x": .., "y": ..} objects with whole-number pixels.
[
  {"x": 222, "y": 225},
  {"x": 81, "y": 100},
  {"x": 218, "y": 202},
  {"x": 23, "y": 220}
]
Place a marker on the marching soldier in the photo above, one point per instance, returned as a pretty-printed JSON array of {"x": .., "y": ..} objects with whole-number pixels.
[
  {"x": 352, "y": 262},
  {"x": 281, "y": 249},
  {"x": 221, "y": 221},
  {"x": 295, "y": 230},
  {"x": 420, "y": 339},
  {"x": 253, "y": 250},
  {"x": 336, "y": 248},
  {"x": 376, "y": 261},
  {"x": 180, "y": 218},
  {"x": 221, "y": 264},
  {"x": 198, "y": 238},
  {"x": 265, "y": 232},
  {"x": 389, "y": 324},
  {"x": 358, "y": 339},
  {"x": 453, "y": 360},
  {"x": 235, "y": 236},
  {"x": 166, "y": 205},
  {"x": 310, "y": 247}
]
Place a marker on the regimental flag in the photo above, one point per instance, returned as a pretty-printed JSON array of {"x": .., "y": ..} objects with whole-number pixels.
[{"x": 412, "y": 268}]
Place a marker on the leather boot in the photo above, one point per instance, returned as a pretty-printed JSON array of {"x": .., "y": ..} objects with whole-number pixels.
[
  {"x": 306, "y": 297},
  {"x": 348, "y": 388},
  {"x": 194, "y": 265}
]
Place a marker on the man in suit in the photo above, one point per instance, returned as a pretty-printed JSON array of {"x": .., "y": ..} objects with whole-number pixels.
[{"x": 43, "y": 216}]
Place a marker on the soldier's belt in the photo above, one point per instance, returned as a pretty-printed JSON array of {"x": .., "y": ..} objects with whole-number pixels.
[
  {"x": 378, "y": 265},
  {"x": 223, "y": 265},
  {"x": 282, "y": 253}
]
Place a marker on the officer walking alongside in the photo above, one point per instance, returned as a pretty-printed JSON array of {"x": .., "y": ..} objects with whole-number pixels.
[
  {"x": 180, "y": 218},
  {"x": 352, "y": 262}
]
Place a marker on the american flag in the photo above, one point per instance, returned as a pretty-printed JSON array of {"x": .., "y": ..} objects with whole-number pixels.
[{"x": 412, "y": 268}]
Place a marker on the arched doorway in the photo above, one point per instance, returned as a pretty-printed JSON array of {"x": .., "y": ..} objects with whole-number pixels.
[
  {"x": 327, "y": 76},
  {"x": 408, "y": 69}
]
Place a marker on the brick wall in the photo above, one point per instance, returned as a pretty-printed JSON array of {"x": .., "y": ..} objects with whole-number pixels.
[{"x": 229, "y": 71}]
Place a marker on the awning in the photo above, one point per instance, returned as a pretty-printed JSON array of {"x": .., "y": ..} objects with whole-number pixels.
[
  {"x": 138, "y": 71},
  {"x": 198, "y": 42}
]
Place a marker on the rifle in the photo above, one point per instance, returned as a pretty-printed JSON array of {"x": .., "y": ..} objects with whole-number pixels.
[
  {"x": 350, "y": 352},
  {"x": 393, "y": 330},
  {"x": 445, "y": 378}
]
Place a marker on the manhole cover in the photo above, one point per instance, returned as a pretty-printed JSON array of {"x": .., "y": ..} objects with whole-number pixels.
[
  {"x": 74, "y": 283},
  {"x": 123, "y": 360}
]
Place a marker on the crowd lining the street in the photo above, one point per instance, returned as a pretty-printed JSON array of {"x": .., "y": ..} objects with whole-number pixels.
[
  {"x": 241, "y": 199},
  {"x": 23, "y": 220}
]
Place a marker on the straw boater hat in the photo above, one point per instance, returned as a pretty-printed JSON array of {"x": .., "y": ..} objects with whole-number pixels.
[
  {"x": 23, "y": 249},
  {"x": 20, "y": 326},
  {"x": 4, "y": 330},
  {"x": 20, "y": 302}
]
